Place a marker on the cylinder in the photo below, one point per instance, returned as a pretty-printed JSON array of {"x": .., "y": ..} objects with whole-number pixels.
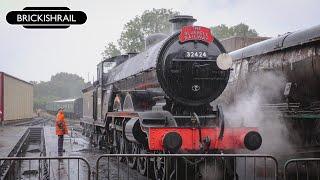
[{"x": 133, "y": 132}]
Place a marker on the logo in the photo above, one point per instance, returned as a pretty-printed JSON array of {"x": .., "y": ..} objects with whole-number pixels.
[
  {"x": 195, "y": 88},
  {"x": 46, "y": 17}
]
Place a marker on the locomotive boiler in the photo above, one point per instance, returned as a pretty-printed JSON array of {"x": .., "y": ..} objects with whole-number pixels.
[{"x": 158, "y": 101}]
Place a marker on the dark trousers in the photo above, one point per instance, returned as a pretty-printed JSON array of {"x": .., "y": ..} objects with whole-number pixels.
[{"x": 60, "y": 145}]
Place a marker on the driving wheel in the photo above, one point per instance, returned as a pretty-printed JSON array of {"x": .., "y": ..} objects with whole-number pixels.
[
  {"x": 159, "y": 168},
  {"x": 131, "y": 148},
  {"x": 142, "y": 163}
]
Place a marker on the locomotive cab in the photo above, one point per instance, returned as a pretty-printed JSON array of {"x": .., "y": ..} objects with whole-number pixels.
[
  {"x": 102, "y": 93},
  {"x": 105, "y": 66}
]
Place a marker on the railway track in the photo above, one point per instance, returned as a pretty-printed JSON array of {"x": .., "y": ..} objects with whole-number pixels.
[
  {"x": 36, "y": 121},
  {"x": 31, "y": 144}
]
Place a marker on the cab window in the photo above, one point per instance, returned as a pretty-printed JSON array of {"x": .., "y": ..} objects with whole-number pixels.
[{"x": 107, "y": 66}]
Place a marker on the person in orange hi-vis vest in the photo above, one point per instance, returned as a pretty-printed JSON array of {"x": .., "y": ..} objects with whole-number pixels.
[{"x": 61, "y": 130}]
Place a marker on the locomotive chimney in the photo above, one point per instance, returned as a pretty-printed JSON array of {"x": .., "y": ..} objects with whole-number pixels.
[{"x": 181, "y": 20}]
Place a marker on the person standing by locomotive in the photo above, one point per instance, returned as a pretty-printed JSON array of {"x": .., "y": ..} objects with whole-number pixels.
[{"x": 61, "y": 129}]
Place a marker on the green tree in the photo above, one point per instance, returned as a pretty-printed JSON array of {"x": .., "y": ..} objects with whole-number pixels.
[
  {"x": 222, "y": 31},
  {"x": 110, "y": 51},
  {"x": 243, "y": 30},
  {"x": 132, "y": 37},
  {"x": 150, "y": 22},
  {"x": 134, "y": 32},
  {"x": 61, "y": 86}
]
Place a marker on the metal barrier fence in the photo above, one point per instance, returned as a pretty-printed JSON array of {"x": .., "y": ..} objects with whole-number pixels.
[
  {"x": 160, "y": 166},
  {"x": 186, "y": 166},
  {"x": 304, "y": 169},
  {"x": 45, "y": 168}
]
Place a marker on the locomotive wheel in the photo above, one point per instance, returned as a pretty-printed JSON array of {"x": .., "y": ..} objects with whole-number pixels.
[
  {"x": 120, "y": 146},
  {"x": 131, "y": 148},
  {"x": 217, "y": 169},
  {"x": 159, "y": 168},
  {"x": 164, "y": 168},
  {"x": 94, "y": 140},
  {"x": 143, "y": 163},
  {"x": 101, "y": 142}
]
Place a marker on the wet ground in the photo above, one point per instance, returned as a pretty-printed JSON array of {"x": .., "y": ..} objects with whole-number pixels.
[
  {"x": 75, "y": 144},
  {"x": 9, "y": 137}
]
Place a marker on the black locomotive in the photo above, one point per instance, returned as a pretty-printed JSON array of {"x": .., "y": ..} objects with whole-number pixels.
[{"x": 158, "y": 101}]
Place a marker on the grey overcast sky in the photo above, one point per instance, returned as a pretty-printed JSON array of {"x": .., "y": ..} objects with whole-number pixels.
[{"x": 35, "y": 54}]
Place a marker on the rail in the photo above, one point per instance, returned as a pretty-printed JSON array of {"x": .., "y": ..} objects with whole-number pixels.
[{"x": 34, "y": 122}]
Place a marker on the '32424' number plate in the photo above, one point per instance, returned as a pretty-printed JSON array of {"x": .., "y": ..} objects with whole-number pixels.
[{"x": 195, "y": 54}]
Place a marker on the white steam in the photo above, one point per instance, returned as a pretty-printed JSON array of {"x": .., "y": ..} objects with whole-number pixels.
[{"x": 251, "y": 108}]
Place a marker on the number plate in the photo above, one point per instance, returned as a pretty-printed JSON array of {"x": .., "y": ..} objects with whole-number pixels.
[{"x": 195, "y": 54}]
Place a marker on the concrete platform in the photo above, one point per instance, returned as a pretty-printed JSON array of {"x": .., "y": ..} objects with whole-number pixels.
[
  {"x": 76, "y": 145},
  {"x": 65, "y": 169},
  {"x": 10, "y": 135}
]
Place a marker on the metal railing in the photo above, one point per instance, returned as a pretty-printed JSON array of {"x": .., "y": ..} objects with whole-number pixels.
[
  {"x": 47, "y": 168},
  {"x": 186, "y": 166},
  {"x": 162, "y": 166},
  {"x": 303, "y": 168}
]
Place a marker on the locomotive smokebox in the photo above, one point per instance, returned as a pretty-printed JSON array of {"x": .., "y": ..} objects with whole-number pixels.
[
  {"x": 186, "y": 66},
  {"x": 181, "y": 20}
]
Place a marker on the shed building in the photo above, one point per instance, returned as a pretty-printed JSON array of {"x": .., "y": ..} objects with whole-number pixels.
[{"x": 16, "y": 99}]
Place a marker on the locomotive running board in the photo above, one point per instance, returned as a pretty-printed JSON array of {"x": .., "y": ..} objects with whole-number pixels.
[{"x": 157, "y": 119}]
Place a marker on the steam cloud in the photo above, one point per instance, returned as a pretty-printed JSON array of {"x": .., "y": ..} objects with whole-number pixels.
[{"x": 249, "y": 110}]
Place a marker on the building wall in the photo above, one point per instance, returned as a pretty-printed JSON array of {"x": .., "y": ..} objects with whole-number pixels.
[
  {"x": 237, "y": 42},
  {"x": 18, "y": 99}
]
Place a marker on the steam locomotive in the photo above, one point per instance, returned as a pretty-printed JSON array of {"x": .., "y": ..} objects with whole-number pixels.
[{"x": 158, "y": 101}]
